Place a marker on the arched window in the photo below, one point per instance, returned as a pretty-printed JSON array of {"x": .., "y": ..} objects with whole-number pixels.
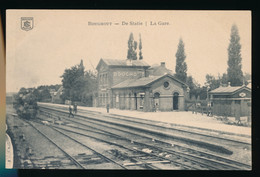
[
  {"x": 156, "y": 99},
  {"x": 175, "y": 94},
  {"x": 105, "y": 79},
  {"x": 156, "y": 95}
]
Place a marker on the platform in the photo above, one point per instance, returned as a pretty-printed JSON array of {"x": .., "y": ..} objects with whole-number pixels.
[{"x": 180, "y": 118}]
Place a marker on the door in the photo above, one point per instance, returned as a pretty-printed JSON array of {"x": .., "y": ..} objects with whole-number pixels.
[
  {"x": 237, "y": 110},
  {"x": 156, "y": 101},
  {"x": 175, "y": 101},
  {"x": 135, "y": 101}
]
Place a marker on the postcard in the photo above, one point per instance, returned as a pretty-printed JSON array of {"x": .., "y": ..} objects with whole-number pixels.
[{"x": 128, "y": 89}]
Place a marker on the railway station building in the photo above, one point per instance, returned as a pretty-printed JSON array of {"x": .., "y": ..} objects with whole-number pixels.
[
  {"x": 231, "y": 101},
  {"x": 135, "y": 85}
]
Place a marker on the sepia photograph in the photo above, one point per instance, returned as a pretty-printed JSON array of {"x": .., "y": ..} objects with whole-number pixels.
[{"x": 128, "y": 89}]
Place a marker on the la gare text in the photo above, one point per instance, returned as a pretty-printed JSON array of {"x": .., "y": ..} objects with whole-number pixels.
[{"x": 151, "y": 23}]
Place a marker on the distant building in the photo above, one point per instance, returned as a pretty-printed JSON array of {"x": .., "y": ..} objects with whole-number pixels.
[
  {"x": 56, "y": 95},
  {"x": 159, "y": 70},
  {"x": 52, "y": 92},
  {"x": 134, "y": 85},
  {"x": 231, "y": 101}
]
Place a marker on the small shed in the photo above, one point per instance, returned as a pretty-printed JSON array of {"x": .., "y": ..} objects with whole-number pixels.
[{"x": 231, "y": 101}]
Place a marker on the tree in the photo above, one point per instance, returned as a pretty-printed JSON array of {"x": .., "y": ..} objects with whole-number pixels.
[
  {"x": 73, "y": 82},
  {"x": 234, "y": 71},
  {"x": 132, "y": 46},
  {"x": 135, "y": 53},
  {"x": 91, "y": 85},
  {"x": 224, "y": 79},
  {"x": 140, "y": 48},
  {"x": 44, "y": 95},
  {"x": 215, "y": 82},
  {"x": 212, "y": 82},
  {"x": 195, "y": 89},
  {"x": 247, "y": 78},
  {"x": 190, "y": 83},
  {"x": 181, "y": 66}
]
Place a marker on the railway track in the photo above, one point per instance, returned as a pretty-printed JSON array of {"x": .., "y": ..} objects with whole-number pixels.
[
  {"x": 202, "y": 134},
  {"x": 208, "y": 142},
  {"x": 25, "y": 158},
  {"x": 81, "y": 160},
  {"x": 134, "y": 161},
  {"x": 185, "y": 155}
]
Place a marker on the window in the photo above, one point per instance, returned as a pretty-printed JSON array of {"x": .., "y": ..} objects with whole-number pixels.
[
  {"x": 117, "y": 98},
  {"x": 156, "y": 95},
  {"x": 103, "y": 99},
  {"x": 142, "y": 102},
  {"x": 166, "y": 84}
]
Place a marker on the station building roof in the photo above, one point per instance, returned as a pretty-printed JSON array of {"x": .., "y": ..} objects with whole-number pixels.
[
  {"x": 158, "y": 70},
  {"x": 228, "y": 90},
  {"x": 143, "y": 82},
  {"x": 123, "y": 62}
]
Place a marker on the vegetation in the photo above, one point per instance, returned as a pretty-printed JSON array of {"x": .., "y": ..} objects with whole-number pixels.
[
  {"x": 215, "y": 82},
  {"x": 234, "y": 71},
  {"x": 181, "y": 66},
  {"x": 196, "y": 92},
  {"x": 78, "y": 85},
  {"x": 73, "y": 82},
  {"x": 132, "y": 47},
  {"x": 131, "y": 53},
  {"x": 90, "y": 86},
  {"x": 140, "y": 48}
]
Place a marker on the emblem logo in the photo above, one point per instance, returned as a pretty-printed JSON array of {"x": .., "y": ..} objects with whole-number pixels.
[
  {"x": 242, "y": 94},
  {"x": 26, "y": 23}
]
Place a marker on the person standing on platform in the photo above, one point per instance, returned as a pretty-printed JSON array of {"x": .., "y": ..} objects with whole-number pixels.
[
  {"x": 209, "y": 109},
  {"x": 107, "y": 108},
  {"x": 70, "y": 111},
  {"x": 193, "y": 108},
  {"x": 75, "y": 108}
]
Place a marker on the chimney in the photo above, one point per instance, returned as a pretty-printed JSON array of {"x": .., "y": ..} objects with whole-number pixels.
[
  {"x": 163, "y": 64},
  {"x": 229, "y": 84}
]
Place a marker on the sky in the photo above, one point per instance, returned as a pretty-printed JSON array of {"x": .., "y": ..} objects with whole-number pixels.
[{"x": 61, "y": 38}]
